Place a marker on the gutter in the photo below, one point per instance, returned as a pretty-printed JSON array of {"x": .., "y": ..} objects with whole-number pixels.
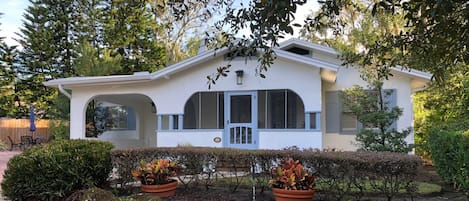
[{"x": 64, "y": 92}]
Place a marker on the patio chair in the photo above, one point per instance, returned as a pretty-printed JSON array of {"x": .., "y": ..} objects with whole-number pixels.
[
  {"x": 13, "y": 144},
  {"x": 27, "y": 141}
]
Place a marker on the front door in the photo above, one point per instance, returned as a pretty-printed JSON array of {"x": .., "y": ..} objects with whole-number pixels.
[{"x": 241, "y": 120}]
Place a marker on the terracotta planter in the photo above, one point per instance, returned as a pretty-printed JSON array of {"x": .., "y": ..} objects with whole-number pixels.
[
  {"x": 292, "y": 195},
  {"x": 163, "y": 190}
]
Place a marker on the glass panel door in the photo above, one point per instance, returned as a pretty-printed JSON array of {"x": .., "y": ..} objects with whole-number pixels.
[{"x": 241, "y": 118}]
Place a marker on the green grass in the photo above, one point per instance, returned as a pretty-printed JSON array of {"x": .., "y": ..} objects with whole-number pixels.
[
  {"x": 423, "y": 188},
  {"x": 427, "y": 188}
]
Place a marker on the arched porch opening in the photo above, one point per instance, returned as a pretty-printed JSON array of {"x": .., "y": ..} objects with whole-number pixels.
[{"x": 126, "y": 120}]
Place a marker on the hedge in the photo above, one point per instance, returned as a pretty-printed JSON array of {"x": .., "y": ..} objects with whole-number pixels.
[
  {"x": 339, "y": 171},
  {"x": 53, "y": 171},
  {"x": 450, "y": 154}
]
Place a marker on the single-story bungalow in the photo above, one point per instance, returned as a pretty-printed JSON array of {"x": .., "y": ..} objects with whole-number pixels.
[{"x": 297, "y": 104}]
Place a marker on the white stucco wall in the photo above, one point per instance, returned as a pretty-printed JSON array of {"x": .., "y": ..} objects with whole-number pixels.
[
  {"x": 203, "y": 138},
  {"x": 303, "y": 80},
  {"x": 270, "y": 139},
  {"x": 347, "y": 77}
]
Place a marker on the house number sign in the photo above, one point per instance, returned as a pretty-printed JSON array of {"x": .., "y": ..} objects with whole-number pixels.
[{"x": 217, "y": 139}]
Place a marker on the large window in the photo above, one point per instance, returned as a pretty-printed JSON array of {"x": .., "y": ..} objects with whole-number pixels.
[
  {"x": 339, "y": 119},
  {"x": 277, "y": 109},
  {"x": 280, "y": 109},
  {"x": 105, "y": 116},
  {"x": 204, "y": 110}
]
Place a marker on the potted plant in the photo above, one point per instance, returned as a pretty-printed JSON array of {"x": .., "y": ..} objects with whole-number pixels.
[
  {"x": 292, "y": 182},
  {"x": 156, "y": 177}
]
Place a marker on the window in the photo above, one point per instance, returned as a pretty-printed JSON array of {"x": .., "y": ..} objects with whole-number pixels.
[
  {"x": 339, "y": 119},
  {"x": 280, "y": 109},
  {"x": 117, "y": 117},
  {"x": 114, "y": 117},
  {"x": 200, "y": 110},
  {"x": 349, "y": 122},
  {"x": 277, "y": 109},
  {"x": 169, "y": 122}
]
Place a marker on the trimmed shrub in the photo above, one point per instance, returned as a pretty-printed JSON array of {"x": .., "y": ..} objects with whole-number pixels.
[
  {"x": 55, "y": 170},
  {"x": 449, "y": 152},
  {"x": 339, "y": 172},
  {"x": 92, "y": 194}
]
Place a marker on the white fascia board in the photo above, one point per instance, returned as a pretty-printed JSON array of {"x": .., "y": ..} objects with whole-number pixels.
[
  {"x": 97, "y": 80},
  {"x": 188, "y": 63},
  {"x": 308, "y": 45},
  {"x": 306, "y": 60},
  {"x": 413, "y": 72}
]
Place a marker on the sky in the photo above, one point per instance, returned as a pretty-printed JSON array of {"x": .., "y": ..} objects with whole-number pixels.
[
  {"x": 13, "y": 11},
  {"x": 11, "y": 19}
]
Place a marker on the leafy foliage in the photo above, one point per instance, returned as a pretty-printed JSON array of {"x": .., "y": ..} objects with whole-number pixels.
[
  {"x": 90, "y": 63},
  {"x": 268, "y": 21},
  {"x": 54, "y": 171},
  {"x": 291, "y": 175},
  {"x": 92, "y": 194},
  {"x": 449, "y": 153},
  {"x": 59, "y": 130},
  {"x": 377, "y": 118},
  {"x": 156, "y": 172},
  {"x": 8, "y": 88},
  {"x": 394, "y": 170}
]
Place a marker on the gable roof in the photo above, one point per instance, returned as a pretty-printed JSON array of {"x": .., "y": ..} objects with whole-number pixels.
[
  {"x": 281, "y": 52},
  {"x": 294, "y": 42}
]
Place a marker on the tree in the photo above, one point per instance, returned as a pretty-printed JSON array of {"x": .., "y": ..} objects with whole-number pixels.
[
  {"x": 177, "y": 31},
  {"x": 377, "y": 116},
  {"x": 91, "y": 63},
  {"x": 47, "y": 52},
  {"x": 8, "y": 74},
  {"x": 268, "y": 21},
  {"x": 130, "y": 30}
]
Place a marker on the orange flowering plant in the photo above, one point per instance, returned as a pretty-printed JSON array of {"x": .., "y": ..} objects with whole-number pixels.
[
  {"x": 156, "y": 172},
  {"x": 291, "y": 175}
]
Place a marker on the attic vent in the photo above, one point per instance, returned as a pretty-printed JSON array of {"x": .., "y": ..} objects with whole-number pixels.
[
  {"x": 242, "y": 54},
  {"x": 299, "y": 51}
]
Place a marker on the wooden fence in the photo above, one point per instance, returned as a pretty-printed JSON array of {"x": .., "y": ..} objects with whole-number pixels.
[{"x": 15, "y": 128}]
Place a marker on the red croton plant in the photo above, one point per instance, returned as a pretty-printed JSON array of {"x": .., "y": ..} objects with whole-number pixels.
[
  {"x": 291, "y": 175},
  {"x": 157, "y": 172}
]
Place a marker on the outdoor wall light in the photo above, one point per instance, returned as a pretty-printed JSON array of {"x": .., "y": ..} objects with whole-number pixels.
[{"x": 239, "y": 77}]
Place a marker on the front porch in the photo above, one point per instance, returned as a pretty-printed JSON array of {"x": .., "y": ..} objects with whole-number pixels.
[{"x": 261, "y": 119}]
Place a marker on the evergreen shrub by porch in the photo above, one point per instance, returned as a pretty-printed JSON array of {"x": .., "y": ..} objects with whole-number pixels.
[
  {"x": 55, "y": 170},
  {"x": 339, "y": 171},
  {"x": 450, "y": 154}
]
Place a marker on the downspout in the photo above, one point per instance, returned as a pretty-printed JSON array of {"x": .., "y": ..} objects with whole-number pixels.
[{"x": 64, "y": 92}]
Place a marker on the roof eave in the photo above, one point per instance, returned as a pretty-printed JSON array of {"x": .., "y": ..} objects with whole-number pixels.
[{"x": 67, "y": 82}]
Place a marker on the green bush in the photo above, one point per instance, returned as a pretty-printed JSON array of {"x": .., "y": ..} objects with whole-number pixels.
[
  {"x": 3, "y": 146},
  {"x": 340, "y": 172},
  {"x": 449, "y": 152},
  {"x": 55, "y": 170},
  {"x": 92, "y": 194},
  {"x": 59, "y": 130}
]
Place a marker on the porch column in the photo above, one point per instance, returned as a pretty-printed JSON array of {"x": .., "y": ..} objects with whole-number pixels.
[{"x": 77, "y": 116}]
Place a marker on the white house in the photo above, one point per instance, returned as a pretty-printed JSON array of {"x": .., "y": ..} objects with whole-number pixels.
[{"x": 297, "y": 104}]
